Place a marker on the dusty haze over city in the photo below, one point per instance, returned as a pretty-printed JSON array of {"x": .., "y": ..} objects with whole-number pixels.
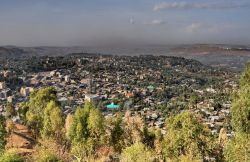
[{"x": 119, "y": 23}]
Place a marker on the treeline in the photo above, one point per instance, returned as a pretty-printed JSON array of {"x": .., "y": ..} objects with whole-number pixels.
[{"x": 87, "y": 135}]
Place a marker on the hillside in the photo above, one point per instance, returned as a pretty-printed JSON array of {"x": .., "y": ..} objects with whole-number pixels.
[
  {"x": 232, "y": 57},
  {"x": 11, "y": 52}
]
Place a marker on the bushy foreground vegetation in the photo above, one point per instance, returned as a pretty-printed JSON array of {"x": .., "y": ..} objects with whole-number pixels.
[{"x": 87, "y": 135}]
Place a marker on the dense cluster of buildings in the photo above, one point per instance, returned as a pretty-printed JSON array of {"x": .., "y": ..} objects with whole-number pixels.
[{"x": 151, "y": 86}]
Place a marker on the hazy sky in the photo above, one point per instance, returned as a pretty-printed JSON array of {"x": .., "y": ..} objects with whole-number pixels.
[{"x": 123, "y": 22}]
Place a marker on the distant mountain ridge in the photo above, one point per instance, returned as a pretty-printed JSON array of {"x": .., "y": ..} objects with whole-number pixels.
[
  {"x": 18, "y": 52},
  {"x": 11, "y": 52},
  {"x": 204, "y": 49},
  {"x": 219, "y": 55}
]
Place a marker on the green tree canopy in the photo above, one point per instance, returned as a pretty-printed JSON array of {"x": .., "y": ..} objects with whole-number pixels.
[
  {"x": 45, "y": 155},
  {"x": 238, "y": 148},
  {"x": 87, "y": 122},
  {"x": 36, "y": 105},
  {"x": 11, "y": 156},
  {"x": 95, "y": 124},
  {"x": 53, "y": 121},
  {"x": 240, "y": 111},
  {"x": 10, "y": 110},
  {"x": 186, "y": 136},
  {"x": 137, "y": 152},
  {"x": 2, "y": 133},
  {"x": 23, "y": 109},
  {"x": 83, "y": 151},
  {"x": 245, "y": 77},
  {"x": 86, "y": 131},
  {"x": 78, "y": 130},
  {"x": 116, "y": 139}
]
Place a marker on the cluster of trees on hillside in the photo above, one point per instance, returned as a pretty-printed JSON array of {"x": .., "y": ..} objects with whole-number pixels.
[
  {"x": 238, "y": 148},
  {"x": 87, "y": 135}
]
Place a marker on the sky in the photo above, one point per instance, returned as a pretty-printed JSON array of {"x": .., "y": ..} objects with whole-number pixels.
[{"x": 123, "y": 22}]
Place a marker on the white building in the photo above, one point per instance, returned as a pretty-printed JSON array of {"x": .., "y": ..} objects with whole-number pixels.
[
  {"x": 92, "y": 98},
  {"x": 67, "y": 78},
  {"x": 2, "y": 85},
  {"x": 25, "y": 91},
  {"x": 211, "y": 90}
]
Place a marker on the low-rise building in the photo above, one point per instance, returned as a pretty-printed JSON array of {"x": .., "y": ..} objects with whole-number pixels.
[{"x": 25, "y": 91}]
